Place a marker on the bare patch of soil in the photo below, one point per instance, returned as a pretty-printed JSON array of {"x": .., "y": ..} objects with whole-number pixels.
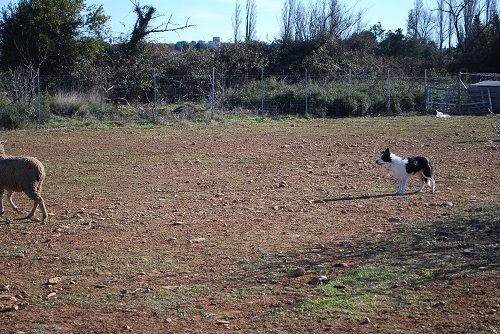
[{"x": 196, "y": 229}]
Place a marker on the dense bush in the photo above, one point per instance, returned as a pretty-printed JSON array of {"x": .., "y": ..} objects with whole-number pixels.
[
  {"x": 337, "y": 99},
  {"x": 10, "y": 117}
]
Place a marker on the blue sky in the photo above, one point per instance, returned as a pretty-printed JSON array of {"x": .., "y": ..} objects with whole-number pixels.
[{"x": 213, "y": 17}]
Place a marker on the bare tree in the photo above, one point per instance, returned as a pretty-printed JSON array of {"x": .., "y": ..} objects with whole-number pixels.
[
  {"x": 322, "y": 18},
  {"x": 250, "y": 20},
  {"x": 490, "y": 8},
  {"x": 471, "y": 9},
  {"x": 300, "y": 22},
  {"x": 420, "y": 22},
  {"x": 440, "y": 24},
  {"x": 315, "y": 20},
  {"x": 236, "y": 22},
  {"x": 455, "y": 9},
  {"x": 360, "y": 24},
  {"x": 339, "y": 20},
  {"x": 288, "y": 17},
  {"x": 142, "y": 28},
  {"x": 461, "y": 15}
]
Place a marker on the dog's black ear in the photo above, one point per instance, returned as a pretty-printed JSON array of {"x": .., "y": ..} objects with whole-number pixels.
[{"x": 387, "y": 151}]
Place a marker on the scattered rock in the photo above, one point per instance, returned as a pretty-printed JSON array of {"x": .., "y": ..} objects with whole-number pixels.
[
  {"x": 341, "y": 265},
  {"x": 8, "y": 297},
  {"x": 365, "y": 321},
  {"x": 222, "y": 322},
  {"x": 10, "y": 308},
  {"x": 178, "y": 223},
  {"x": 54, "y": 280},
  {"x": 447, "y": 204},
  {"x": 4, "y": 287},
  {"x": 394, "y": 220},
  {"x": 282, "y": 184},
  {"x": 317, "y": 280},
  {"x": 439, "y": 303},
  {"x": 50, "y": 295},
  {"x": 196, "y": 240},
  {"x": 297, "y": 272}
]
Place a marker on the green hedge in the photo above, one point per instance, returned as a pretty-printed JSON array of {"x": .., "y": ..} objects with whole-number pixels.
[{"x": 327, "y": 100}]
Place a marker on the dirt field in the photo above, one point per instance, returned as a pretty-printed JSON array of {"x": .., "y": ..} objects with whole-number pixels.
[{"x": 220, "y": 228}]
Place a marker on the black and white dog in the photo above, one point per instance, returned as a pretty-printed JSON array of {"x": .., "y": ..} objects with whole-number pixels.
[{"x": 403, "y": 168}]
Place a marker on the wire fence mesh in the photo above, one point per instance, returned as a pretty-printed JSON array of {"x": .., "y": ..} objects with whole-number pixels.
[{"x": 158, "y": 95}]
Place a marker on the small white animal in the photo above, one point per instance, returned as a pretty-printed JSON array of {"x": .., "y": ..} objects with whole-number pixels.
[{"x": 403, "y": 168}]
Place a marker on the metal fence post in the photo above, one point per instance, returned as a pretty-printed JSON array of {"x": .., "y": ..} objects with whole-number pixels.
[
  {"x": 101, "y": 94},
  {"x": 459, "y": 93},
  {"x": 388, "y": 91},
  {"x": 350, "y": 83},
  {"x": 426, "y": 92},
  {"x": 39, "y": 111},
  {"x": 306, "y": 82},
  {"x": 212, "y": 103},
  {"x": 262, "y": 91},
  {"x": 223, "y": 88},
  {"x": 154, "y": 94}
]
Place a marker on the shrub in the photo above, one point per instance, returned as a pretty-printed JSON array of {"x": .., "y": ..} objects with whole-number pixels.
[
  {"x": 72, "y": 104},
  {"x": 10, "y": 118}
]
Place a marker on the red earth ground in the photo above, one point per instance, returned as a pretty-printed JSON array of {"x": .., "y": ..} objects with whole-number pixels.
[{"x": 196, "y": 228}]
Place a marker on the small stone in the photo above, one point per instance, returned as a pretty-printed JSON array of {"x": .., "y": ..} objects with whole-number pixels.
[
  {"x": 4, "y": 287},
  {"x": 222, "y": 322},
  {"x": 317, "y": 280},
  {"x": 54, "y": 280},
  {"x": 341, "y": 265},
  {"x": 448, "y": 204},
  {"x": 298, "y": 272},
  {"x": 9, "y": 308},
  {"x": 394, "y": 220},
  {"x": 50, "y": 295},
  {"x": 196, "y": 240},
  {"x": 365, "y": 321},
  {"x": 8, "y": 297},
  {"x": 282, "y": 184},
  {"x": 439, "y": 303},
  {"x": 177, "y": 223}
]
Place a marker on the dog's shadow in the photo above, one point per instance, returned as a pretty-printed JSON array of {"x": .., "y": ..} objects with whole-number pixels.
[{"x": 361, "y": 197}]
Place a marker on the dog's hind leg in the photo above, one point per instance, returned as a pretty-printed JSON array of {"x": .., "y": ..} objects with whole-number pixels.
[
  {"x": 1, "y": 202},
  {"x": 423, "y": 182},
  {"x": 432, "y": 184}
]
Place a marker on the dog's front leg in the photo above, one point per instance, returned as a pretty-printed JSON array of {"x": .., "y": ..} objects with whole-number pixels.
[{"x": 402, "y": 186}]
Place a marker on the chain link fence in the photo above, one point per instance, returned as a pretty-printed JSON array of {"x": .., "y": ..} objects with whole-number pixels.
[
  {"x": 159, "y": 96},
  {"x": 465, "y": 93}
]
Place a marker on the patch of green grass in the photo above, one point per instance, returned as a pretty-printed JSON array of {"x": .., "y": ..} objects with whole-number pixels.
[
  {"x": 162, "y": 302},
  {"x": 418, "y": 253},
  {"x": 364, "y": 287}
]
